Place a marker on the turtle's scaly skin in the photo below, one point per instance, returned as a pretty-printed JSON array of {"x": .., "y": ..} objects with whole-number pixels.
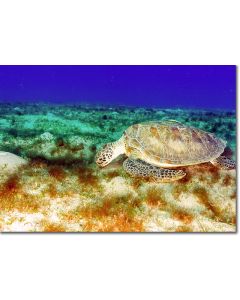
[
  {"x": 170, "y": 143},
  {"x": 139, "y": 168}
]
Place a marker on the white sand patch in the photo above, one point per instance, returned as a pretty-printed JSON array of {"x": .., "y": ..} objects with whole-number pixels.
[
  {"x": 202, "y": 224},
  {"x": 20, "y": 222},
  {"x": 53, "y": 217},
  {"x": 66, "y": 204},
  {"x": 36, "y": 189},
  {"x": 160, "y": 221},
  {"x": 118, "y": 186},
  {"x": 190, "y": 202},
  {"x": 74, "y": 227}
]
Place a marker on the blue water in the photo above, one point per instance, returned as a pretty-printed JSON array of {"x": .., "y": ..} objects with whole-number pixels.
[{"x": 201, "y": 87}]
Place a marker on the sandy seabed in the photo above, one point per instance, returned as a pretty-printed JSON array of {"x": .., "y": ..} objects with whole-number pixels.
[{"x": 60, "y": 188}]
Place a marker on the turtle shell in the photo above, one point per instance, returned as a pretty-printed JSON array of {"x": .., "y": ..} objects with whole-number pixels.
[{"x": 169, "y": 143}]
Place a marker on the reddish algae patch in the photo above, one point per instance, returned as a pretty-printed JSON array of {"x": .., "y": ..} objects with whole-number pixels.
[
  {"x": 12, "y": 197},
  {"x": 182, "y": 216},
  {"x": 155, "y": 198},
  {"x": 57, "y": 172}
]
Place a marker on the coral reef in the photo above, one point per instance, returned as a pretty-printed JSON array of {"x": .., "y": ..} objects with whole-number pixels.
[{"x": 61, "y": 189}]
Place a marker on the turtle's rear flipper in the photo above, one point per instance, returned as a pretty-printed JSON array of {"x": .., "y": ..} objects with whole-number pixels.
[
  {"x": 224, "y": 163},
  {"x": 139, "y": 168}
]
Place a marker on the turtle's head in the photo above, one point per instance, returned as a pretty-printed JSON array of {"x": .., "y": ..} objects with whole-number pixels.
[{"x": 109, "y": 152}]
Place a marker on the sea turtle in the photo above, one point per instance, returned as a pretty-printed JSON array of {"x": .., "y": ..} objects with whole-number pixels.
[{"x": 158, "y": 149}]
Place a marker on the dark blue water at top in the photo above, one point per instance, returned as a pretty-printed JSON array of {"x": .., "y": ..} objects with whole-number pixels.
[{"x": 203, "y": 87}]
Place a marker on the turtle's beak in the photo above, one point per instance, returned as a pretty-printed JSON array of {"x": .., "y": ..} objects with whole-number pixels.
[{"x": 101, "y": 162}]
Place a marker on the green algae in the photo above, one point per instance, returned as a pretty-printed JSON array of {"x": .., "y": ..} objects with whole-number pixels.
[{"x": 94, "y": 126}]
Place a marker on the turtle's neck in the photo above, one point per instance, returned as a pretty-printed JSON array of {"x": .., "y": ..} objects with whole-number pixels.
[{"x": 119, "y": 147}]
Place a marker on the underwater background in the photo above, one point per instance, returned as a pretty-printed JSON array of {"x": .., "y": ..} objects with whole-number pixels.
[{"x": 57, "y": 117}]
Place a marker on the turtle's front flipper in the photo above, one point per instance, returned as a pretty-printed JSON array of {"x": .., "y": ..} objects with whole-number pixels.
[
  {"x": 224, "y": 162},
  {"x": 139, "y": 168}
]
